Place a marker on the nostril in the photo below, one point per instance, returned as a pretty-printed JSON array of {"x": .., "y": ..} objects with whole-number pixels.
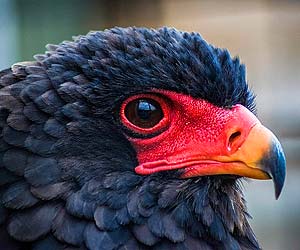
[{"x": 233, "y": 138}]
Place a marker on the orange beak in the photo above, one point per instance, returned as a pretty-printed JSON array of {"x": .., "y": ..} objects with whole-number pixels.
[{"x": 259, "y": 157}]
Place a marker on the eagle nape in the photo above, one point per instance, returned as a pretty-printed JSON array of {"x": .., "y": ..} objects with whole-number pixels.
[{"x": 121, "y": 139}]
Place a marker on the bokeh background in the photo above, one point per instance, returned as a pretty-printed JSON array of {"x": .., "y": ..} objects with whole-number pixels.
[{"x": 266, "y": 36}]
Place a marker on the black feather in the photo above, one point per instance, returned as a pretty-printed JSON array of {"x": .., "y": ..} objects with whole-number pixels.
[
  {"x": 7, "y": 177},
  {"x": 3, "y": 145},
  {"x": 18, "y": 196},
  {"x": 48, "y": 243},
  {"x": 122, "y": 216},
  {"x": 7, "y": 78},
  {"x": 80, "y": 207},
  {"x": 4, "y": 112},
  {"x": 48, "y": 102},
  {"x": 52, "y": 191},
  {"x": 132, "y": 207},
  {"x": 183, "y": 215},
  {"x": 171, "y": 229},
  {"x": 42, "y": 171},
  {"x": 18, "y": 121},
  {"x": 105, "y": 219},
  {"x": 144, "y": 235},
  {"x": 34, "y": 223},
  {"x": 96, "y": 239},
  {"x": 15, "y": 160},
  {"x": 35, "y": 89},
  {"x": 34, "y": 114},
  {"x": 68, "y": 228},
  {"x": 9, "y": 102},
  {"x": 115, "y": 200},
  {"x": 156, "y": 225},
  {"x": 14, "y": 137},
  {"x": 132, "y": 244},
  {"x": 71, "y": 92},
  {"x": 54, "y": 128},
  {"x": 195, "y": 244},
  {"x": 43, "y": 146},
  {"x": 3, "y": 214}
]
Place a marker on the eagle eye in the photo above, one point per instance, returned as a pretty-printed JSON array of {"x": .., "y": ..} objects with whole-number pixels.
[{"x": 145, "y": 114}]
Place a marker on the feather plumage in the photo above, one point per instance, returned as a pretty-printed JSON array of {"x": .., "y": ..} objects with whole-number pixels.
[{"x": 67, "y": 177}]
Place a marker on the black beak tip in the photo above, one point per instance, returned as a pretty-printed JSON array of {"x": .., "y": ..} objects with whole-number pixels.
[
  {"x": 279, "y": 174},
  {"x": 275, "y": 165}
]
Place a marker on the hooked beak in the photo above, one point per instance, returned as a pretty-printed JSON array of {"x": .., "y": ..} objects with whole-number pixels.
[
  {"x": 259, "y": 157},
  {"x": 243, "y": 148}
]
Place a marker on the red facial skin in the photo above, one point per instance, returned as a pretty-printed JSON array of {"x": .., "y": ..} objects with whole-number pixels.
[{"x": 195, "y": 134}]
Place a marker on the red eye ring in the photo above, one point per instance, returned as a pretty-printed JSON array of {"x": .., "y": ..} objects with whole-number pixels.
[{"x": 161, "y": 125}]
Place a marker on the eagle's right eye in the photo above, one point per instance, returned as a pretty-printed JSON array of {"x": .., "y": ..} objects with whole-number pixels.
[{"x": 145, "y": 114}]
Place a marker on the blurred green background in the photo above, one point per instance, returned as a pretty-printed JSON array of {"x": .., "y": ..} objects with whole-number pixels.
[{"x": 266, "y": 36}]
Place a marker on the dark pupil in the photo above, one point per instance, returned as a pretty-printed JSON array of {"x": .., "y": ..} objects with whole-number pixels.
[
  {"x": 145, "y": 110},
  {"x": 144, "y": 113}
]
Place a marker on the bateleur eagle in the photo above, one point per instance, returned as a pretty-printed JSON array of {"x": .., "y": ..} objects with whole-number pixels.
[{"x": 130, "y": 138}]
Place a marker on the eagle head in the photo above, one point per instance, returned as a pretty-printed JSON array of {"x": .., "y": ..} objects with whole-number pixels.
[{"x": 131, "y": 138}]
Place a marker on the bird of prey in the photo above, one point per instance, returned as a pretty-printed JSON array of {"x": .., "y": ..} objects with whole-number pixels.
[{"x": 130, "y": 138}]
